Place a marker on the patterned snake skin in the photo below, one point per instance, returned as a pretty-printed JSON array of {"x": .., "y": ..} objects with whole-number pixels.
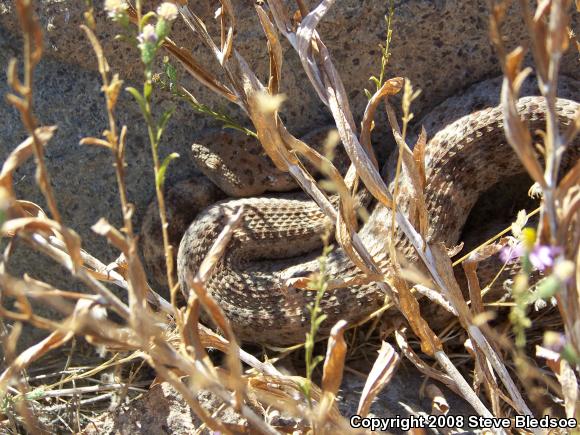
[{"x": 279, "y": 237}]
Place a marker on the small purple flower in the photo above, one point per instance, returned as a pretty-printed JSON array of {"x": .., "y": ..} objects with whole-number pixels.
[
  {"x": 509, "y": 253},
  {"x": 148, "y": 35},
  {"x": 543, "y": 256}
]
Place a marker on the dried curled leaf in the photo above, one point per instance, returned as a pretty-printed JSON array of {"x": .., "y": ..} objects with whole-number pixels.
[
  {"x": 199, "y": 72},
  {"x": 439, "y": 405},
  {"x": 274, "y": 50},
  {"x": 381, "y": 374},
  {"x": 389, "y": 88},
  {"x": 21, "y": 154},
  {"x": 566, "y": 377},
  {"x": 513, "y": 65},
  {"x": 264, "y": 120},
  {"x": 333, "y": 370},
  {"x": 516, "y": 130},
  {"x": 334, "y": 361},
  {"x": 53, "y": 341},
  {"x": 423, "y": 367},
  {"x": 197, "y": 286},
  {"x": 47, "y": 227},
  {"x": 409, "y": 306}
]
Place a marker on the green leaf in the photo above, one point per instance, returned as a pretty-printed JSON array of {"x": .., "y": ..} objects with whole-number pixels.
[
  {"x": 570, "y": 355},
  {"x": 317, "y": 360},
  {"x": 368, "y": 94},
  {"x": 148, "y": 16},
  {"x": 319, "y": 320},
  {"x": 171, "y": 73},
  {"x": 147, "y": 89},
  {"x": 138, "y": 97},
  {"x": 163, "y": 122},
  {"x": 548, "y": 287},
  {"x": 160, "y": 179},
  {"x": 35, "y": 394}
]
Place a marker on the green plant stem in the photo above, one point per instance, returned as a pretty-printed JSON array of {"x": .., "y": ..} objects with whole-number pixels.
[
  {"x": 153, "y": 139},
  {"x": 387, "y": 51},
  {"x": 316, "y": 319}
]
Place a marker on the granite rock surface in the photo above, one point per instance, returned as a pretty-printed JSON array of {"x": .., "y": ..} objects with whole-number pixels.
[{"x": 442, "y": 46}]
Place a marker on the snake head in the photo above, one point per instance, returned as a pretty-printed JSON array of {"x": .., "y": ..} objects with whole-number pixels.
[{"x": 236, "y": 163}]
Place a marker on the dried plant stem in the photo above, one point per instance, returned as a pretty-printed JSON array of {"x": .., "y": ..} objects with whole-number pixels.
[
  {"x": 331, "y": 91},
  {"x": 92, "y": 389},
  {"x": 117, "y": 143},
  {"x": 476, "y": 334},
  {"x": 551, "y": 180},
  {"x": 66, "y": 405},
  {"x": 554, "y": 145},
  {"x": 302, "y": 7},
  {"x": 222, "y": 344},
  {"x": 462, "y": 385},
  {"x": 163, "y": 356},
  {"x": 114, "y": 277},
  {"x": 32, "y": 45},
  {"x": 43, "y": 245},
  {"x": 547, "y": 51}
]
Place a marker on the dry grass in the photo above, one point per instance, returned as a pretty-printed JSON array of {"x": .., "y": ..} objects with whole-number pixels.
[{"x": 169, "y": 338}]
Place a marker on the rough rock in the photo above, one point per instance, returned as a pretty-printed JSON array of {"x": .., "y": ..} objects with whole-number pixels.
[
  {"x": 442, "y": 46},
  {"x": 162, "y": 410}
]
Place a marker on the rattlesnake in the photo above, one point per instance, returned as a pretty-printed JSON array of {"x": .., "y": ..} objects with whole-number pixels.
[{"x": 279, "y": 237}]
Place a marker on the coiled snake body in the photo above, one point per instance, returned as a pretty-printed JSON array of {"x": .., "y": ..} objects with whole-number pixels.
[{"x": 279, "y": 237}]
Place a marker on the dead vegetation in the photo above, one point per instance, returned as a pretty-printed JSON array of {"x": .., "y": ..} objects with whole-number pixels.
[{"x": 168, "y": 336}]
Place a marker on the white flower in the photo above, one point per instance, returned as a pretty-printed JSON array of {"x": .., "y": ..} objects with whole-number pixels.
[
  {"x": 563, "y": 269},
  {"x": 148, "y": 35},
  {"x": 115, "y": 7},
  {"x": 167, "y": 11}
]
